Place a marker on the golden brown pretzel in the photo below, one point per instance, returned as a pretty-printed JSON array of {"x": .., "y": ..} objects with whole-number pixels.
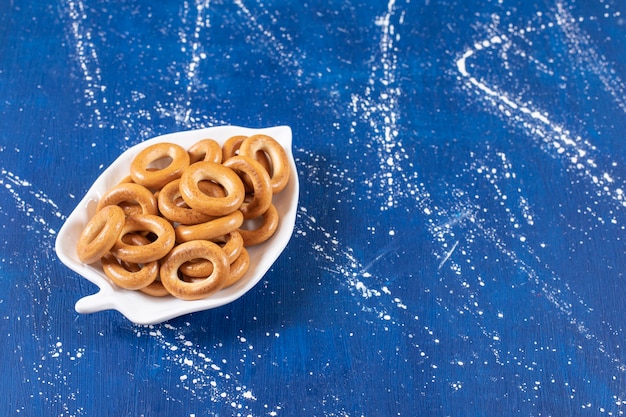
[
  {"x": 232, "y": 244},
  {"x": 131, "y": 194},
  {"x": 205, "y": 150},
  {"x": 231, "y": 147},
  {"x": 128, "y": 275},
  {"x": 261, "y": 196},
  {"x": 141, "y": 169},
  {"x": 238, "y": 268},
  {"x": 156, "y": 289},
  {"x": 279, "y": 174},
  {"x": 100, "y": 234},
  {"x": 264, "y": 231},
  {"x": 145, "y": 253},
  {"x": 218, "y": 226},
  {"x": 213, "y": 206},
  {"x": 197, "y": 289},
  {"x": 169, "y": 205}
]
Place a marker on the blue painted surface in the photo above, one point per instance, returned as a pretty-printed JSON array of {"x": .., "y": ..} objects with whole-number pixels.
[{"x": 459, "y": 250}]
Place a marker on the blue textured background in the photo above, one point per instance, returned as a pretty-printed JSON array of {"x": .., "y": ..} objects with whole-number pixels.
[{"x": 459, "y": 248}]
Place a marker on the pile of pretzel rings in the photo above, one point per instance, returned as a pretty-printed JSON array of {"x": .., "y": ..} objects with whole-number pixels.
[{"x": 178, "y": 230}]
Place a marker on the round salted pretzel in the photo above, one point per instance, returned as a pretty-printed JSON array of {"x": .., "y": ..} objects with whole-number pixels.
[
  {"x": 198, "y": 288},
  {"x": 216, "y": 227},
  {"x": 100, "y": 234},
  {"x": 279, "y": 174},
  {"x": 205, "y": 150},
  {"x": 264, "y": 231},
  {"x": 210, "y": 171},
  {"x": 170, "y": 208},
  {"x": 130, "y": 276},
  {"x": 230, "y": 147},
  {"x": 156, "y": 289},
  {"x": 232, "y": 246},
  {"x": 238, "y": 268},
  {"x": 261, "y": 196},
  {"x": 142, "y": 171},
  {"x": 153, "y": 251},
  {"x": 127, "y": 195}
]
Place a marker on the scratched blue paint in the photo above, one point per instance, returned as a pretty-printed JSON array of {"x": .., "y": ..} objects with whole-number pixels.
[{"x": 459, "y": 250}]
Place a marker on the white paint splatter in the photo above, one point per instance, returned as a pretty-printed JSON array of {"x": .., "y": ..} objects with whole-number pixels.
[
  {"x": 200, "y": 372},
  {"x": 575, "y": 152},
  {"x": 378, "y": 106},
  {"x": 80, "y": 37},
  {"x": 28, "y": 200},
  {"x": 273, "y": 45}
]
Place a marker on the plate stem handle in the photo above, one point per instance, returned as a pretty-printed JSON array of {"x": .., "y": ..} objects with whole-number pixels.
[{"x": 96, "y": 302}]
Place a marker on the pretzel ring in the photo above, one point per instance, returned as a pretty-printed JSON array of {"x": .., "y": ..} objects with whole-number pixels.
[
  {"x": 205, "y": 150},
  {"x": 279, "y": 174},
  {"x": 129, "y": 276},
  {"x": 131, "y": 193},
  {"x": 238, "y": 268},
  {"x": 168, "y": 197},
  {"x": 129, "y": 207},
  {"x": 141, "y": 167},
  {"x": 209, "y": 230},
  {"x": 213, "y": 206},
  {"x": 233, "y": 245},
  {"x": 264, "y": 231},
  {"x": 261, "y": 187},
  {"x": 153, "y": 251},
  {"x": 231, "y": 147},
  {"x": 156, "y": 289},
  {"x": 198, "y": 289},
  {"x": 100, "y": 234}
]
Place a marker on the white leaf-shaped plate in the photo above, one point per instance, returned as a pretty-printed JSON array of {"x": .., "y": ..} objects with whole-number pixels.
[{"x": 144, "y": 309}]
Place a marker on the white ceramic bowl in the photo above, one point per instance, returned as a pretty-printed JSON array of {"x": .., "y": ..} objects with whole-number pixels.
[{"x": 144, "y": 309}]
